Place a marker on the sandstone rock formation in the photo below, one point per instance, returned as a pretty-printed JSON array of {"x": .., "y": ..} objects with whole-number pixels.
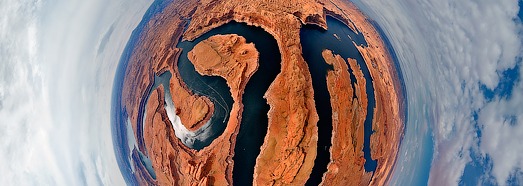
[
  {"x": 288, "y": 153},
  {"x": 348, "y": 117},
  {"x": 227, "y": 56},
  {"x": 176, "y": 164}
]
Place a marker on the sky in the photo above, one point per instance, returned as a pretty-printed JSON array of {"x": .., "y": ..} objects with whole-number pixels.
[
  {"x": 461, "y": 62},
  {"x": 58, "y": 60}
]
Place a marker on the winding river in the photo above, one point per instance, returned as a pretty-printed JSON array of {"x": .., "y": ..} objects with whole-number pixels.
[
  {"x": 253, "y": 127},
  {"x": 314, "y": 40},
  {"x": 254, "y": 122}
]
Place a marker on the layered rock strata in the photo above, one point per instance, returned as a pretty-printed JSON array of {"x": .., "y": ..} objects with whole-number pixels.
[
  {"x": 288, "y": 153},
  {"x": 230, "y": 57},
  {"x": 349, "y": 108}
]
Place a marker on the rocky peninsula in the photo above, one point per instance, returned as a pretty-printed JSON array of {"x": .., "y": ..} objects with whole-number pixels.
[{"x": 290, "y": 146}]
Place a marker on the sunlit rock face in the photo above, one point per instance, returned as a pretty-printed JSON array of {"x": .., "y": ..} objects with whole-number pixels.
[{"x": 257, "y": 92}]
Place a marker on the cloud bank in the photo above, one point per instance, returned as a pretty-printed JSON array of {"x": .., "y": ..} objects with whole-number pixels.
[
  {"x": 58, "y": 60},
  {"x": 451, "y": 54}
]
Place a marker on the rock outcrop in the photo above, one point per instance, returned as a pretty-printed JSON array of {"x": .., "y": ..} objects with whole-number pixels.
[
  {"x": 288, "y": 153},
  {"x": 349, "y": 108},
  {"x": 228, "y": 56}
]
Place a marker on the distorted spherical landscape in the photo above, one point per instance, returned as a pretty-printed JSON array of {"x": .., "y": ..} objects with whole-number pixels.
[
  {"x": 270, "y": 92},
  {"x": 235, "y": 92}
]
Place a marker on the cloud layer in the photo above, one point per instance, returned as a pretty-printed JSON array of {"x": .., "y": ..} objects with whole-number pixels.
[
  {"x": 23, "y": 99},
  {"x": 450, "y": 53},
  {"x": 58, "y": 60}
]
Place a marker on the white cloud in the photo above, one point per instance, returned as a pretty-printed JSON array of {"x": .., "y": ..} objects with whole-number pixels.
[
  {"x": 447, "y": 50},
  {"x": 24, "y": 115},
  {"x": 56, "y": 74},
  {"x": 55, "y": 89},
  {"x": 502, "y": 123}
]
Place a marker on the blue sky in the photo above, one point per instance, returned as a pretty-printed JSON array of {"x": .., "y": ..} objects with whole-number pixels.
[{"x": 461, "y": 65}]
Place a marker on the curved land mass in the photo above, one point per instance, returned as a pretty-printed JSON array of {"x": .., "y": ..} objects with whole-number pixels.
[
  {"x": 288, "y": 153},
  {"x": 230, "y": 57},
  {"x": 349, "y": 108}
]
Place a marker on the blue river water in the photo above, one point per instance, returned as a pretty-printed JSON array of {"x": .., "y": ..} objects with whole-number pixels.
[
  {"x": 254, "y": 121},
  {"x": 253, "y": 126},
  {"x": 125, "y": 156},
  {"x": 314, "y": 40}
]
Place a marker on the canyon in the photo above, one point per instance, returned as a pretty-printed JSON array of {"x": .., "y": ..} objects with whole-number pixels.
[{"x": 290, "y": 144}]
